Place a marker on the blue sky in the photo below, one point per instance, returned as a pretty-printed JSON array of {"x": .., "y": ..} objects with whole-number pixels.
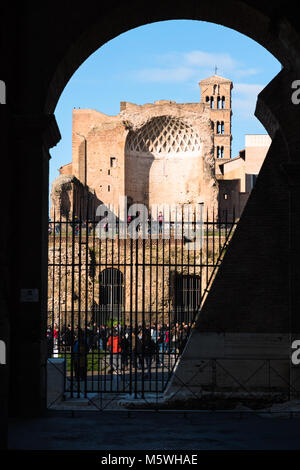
[{"x": 166, "y": 60}]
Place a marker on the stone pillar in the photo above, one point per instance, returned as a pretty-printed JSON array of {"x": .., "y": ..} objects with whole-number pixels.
[
  {"x": 5, "y": 237},
  {"x": 291, "y": 171},
  {"x": 243, "y": 329},
  {"x": 277, "y": 102},
  {"x": 252, "y": 310},
  {"x": 55, "y": 381},
  {"x": 33, "y": 136}
]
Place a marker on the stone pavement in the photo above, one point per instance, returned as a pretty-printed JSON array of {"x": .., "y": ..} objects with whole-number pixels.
[{"x": 135, "y": 430}]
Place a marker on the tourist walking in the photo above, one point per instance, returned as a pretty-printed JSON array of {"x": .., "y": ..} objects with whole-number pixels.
[
  {"x": 148, "y": 351},
  {"x": 80, "y": 350},
  {"x": 160, "y": 222},
  {"x": 114, "y": 345}
]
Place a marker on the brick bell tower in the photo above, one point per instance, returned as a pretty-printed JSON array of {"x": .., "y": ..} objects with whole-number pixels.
[{"x": 216, "y": 93}]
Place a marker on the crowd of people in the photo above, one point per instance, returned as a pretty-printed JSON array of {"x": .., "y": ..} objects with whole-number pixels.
[
  {"x": 122, "y": 346},
  {"x": 150, "y": 225}
]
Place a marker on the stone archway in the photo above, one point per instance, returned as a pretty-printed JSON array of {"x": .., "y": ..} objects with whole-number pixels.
[
  {"x": 275, "y": 110},
  {"x": 50, "y": 61},
  {"x": 111, "y": 295}
]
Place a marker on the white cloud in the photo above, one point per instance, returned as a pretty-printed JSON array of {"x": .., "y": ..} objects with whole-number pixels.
[
  {"x": 180, "y": 67},
  {"x": 205, "y": 59}
]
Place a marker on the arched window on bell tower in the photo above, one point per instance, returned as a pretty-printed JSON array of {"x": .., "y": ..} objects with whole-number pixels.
[
  {"x": 223, "y": 102},
  {"x": 211, "y": 102},
  {"x": 220, "y": 152}
]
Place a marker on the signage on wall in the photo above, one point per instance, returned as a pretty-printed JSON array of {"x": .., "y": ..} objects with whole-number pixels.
[{"x": 29, "y": 295}]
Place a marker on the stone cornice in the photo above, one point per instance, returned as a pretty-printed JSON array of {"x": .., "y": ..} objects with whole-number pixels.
[
  {"x": 193, "y": 115},
  {"x": 41, "y": 127}
]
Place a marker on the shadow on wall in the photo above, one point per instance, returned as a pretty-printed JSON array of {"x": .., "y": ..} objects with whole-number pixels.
[
  {"x": 137, "y": 169},
  {"x": 70, "y": 198}
]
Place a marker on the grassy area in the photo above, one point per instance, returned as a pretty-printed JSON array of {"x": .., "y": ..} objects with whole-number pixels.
[{"x": 95, "y": 361}]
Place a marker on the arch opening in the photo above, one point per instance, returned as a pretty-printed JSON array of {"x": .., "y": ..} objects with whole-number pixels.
[
  {"x": 150, "y": 141},
  {"x": 251, "y": 22}
]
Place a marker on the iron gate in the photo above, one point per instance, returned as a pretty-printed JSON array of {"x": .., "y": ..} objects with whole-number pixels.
[{"x": 120, "y": 309}]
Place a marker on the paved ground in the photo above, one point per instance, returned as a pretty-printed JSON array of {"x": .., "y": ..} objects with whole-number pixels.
[{"x": 153, "y": 431}]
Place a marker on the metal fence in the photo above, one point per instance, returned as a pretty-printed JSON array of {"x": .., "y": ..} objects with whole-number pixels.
[{"x": 120, "y": 309}]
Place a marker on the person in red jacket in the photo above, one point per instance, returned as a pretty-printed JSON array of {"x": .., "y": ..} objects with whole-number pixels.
[
  {"x": 114, "y": 345},
  {"x": 55, "y": 335}
]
